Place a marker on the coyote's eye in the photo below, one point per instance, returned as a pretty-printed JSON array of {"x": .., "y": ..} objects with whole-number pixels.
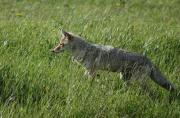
[{"x": 61, "y": 44}]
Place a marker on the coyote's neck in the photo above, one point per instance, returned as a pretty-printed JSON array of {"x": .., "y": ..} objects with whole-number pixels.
[{"x": 80, "y": 49}]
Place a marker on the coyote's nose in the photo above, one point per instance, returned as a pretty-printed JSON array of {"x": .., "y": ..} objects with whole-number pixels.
[{"x": 52, "y": 50}]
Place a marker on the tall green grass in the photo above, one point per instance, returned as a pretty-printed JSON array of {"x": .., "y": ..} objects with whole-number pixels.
[{"x": 36, "y": 83}]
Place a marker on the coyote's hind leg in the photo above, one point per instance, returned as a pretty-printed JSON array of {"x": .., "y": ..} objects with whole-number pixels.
[{"x": 126, "y": 78}]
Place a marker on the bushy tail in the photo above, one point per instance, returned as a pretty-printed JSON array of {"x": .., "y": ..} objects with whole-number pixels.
[{"x": 160, "y": 79}]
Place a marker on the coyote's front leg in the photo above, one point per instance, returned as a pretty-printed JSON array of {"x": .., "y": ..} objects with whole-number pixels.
[{"x": 90, "y": 73}]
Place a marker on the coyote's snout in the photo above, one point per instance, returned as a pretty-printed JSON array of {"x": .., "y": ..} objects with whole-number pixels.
[
  {"x": 65, "y": 39},
  {"x": 99, "y": 57}
]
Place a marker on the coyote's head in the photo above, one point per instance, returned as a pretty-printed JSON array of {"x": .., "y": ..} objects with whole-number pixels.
[{"x": 64, "y": 43}]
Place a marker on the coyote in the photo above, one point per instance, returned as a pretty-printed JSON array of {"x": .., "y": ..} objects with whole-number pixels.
[{"x": 99, "y": 57}]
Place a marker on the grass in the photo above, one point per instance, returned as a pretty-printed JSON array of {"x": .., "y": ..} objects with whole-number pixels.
[{"x": 36, "y": 83}]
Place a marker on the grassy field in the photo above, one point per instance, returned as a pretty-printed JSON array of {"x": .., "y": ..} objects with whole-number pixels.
[{"x": 36, "y": 83}]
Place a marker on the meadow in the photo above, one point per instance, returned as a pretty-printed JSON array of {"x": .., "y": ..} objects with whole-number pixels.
[{"x": 35, "y": 83}]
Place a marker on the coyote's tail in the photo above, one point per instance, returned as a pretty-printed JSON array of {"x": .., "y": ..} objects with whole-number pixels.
[{"x": 160, "y": 79}]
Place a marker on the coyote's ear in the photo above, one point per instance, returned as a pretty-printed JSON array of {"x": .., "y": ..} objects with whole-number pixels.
[{"x": 66, "y": 34}]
